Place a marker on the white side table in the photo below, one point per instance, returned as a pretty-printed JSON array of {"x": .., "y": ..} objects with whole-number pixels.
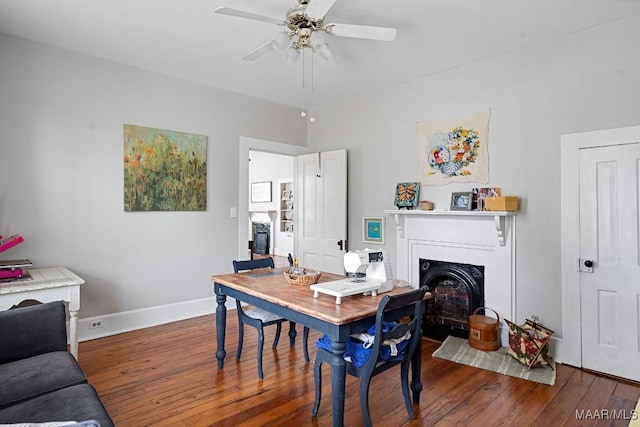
[{"x": 46, "y": 285}]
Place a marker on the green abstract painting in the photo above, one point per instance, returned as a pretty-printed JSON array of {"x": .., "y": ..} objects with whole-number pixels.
[{"x": 164, "y": 170}]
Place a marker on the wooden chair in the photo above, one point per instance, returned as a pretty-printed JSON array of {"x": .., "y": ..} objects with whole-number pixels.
[
  {"x": 373, "y": 365},
  {"x": 259, "y": 318}
]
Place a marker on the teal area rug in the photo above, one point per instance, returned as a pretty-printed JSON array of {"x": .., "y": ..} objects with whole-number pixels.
[{"x": 458, "y": 350}]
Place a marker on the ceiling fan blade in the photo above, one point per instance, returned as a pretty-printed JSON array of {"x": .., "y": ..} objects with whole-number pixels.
[
  {"x": 362, "y": 31},
  {"x": 242, "y": 14},
  {"x": 259, "y": 51},
  {"x": 318, "y": 8}
]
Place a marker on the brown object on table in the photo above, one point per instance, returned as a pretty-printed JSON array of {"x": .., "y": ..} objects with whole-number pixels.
[
  {"x": 483, "y": 331},
  {"x": 306, "y": 279}
]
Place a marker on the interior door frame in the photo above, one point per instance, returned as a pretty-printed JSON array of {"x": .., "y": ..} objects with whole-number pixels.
[
  {"x": 570, "y": 147},
  {"x": 245, "y": 145}
]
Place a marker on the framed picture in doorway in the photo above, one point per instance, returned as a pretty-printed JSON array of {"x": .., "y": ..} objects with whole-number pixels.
[
  {"x": 373, "y": 230},
  {"x": 261, "y": 192}
]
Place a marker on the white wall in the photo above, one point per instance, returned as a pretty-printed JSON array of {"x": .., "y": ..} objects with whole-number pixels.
[
  {"x": 586, "y": 81},
  {"x": 61, "y": 174}
]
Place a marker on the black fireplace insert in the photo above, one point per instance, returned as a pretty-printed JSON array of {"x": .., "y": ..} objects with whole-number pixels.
[
  {"x": 261, "y": 238},
  {"x": 457, "y": 290}
]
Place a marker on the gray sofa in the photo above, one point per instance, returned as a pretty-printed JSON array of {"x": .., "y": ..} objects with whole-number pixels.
[{"x": 39, "y": 380}]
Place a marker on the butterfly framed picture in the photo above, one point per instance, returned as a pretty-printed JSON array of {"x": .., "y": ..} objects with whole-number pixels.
[
  {"x": 407, "y": 195},
  {"x": 373, "y": 230}
]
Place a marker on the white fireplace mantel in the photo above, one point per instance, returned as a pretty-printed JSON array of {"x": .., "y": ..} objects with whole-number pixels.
[
  {"x": 484, "y": 238},
  {"x": 498, "y": 217}
]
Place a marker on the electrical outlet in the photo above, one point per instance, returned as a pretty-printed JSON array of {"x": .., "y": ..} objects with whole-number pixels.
[{"x": 95, "y": 324}]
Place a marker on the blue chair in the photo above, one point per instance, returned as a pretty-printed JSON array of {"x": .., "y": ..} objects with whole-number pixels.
[
  {"x": 374, "y": 366},
  {"x": 259, "y": 318}
]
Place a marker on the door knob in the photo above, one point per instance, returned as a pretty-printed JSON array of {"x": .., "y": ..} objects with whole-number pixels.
[
  {"x": 586, "y": 265},
  {"x": 340, "y": 244}
]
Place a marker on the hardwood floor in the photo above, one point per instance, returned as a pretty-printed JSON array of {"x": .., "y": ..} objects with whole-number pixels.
[{"x": 168, "y": 376}]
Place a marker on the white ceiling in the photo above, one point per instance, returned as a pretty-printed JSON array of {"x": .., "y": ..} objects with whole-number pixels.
[{"x": 185, "y": 39}]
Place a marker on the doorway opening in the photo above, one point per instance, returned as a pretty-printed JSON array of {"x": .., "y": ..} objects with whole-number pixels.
[
  {"x": 272, "y": 217},
  {"x": 246, "y": 147}
]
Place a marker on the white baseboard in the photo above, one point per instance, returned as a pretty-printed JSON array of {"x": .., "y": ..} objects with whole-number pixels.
[
  {"x": 126, "y": 321},
  {"x": 555, "y": 349}
]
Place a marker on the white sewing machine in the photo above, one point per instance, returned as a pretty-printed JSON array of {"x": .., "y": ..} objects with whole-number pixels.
[
  {"x": 369, "y": 271},
  {"x": 370, "y": 266}
]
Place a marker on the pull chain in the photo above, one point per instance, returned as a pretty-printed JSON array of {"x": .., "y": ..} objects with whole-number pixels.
[
  {"x": 304, "y": 98},
  {"x": 312, "y": 119}
]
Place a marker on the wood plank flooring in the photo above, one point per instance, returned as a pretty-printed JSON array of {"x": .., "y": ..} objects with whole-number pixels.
[{"x": 168, "y": 376}]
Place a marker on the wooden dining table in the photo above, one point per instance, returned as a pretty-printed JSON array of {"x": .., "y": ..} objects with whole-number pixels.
[{"x": 269, "y": 290}]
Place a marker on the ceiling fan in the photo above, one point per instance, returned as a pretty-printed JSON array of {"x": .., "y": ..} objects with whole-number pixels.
[{"x": 305, "y": 28}]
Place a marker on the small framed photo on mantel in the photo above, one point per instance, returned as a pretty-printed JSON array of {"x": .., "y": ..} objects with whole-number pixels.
[{"x": 461, "y": 201}]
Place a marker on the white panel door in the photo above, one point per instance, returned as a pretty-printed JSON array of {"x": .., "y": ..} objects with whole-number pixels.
[
  {"x": 321, "y": 191},
  {"x": 609, "y": 238}
]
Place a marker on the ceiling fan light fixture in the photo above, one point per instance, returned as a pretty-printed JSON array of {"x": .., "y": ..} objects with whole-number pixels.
[
  {"x": 307, "y": 29},
  {"x": 326, "y": 52},
  {"x": 317, "y": 39},
  {"x": 292, "y": 55},
  {"x": 281, "y": 41}
]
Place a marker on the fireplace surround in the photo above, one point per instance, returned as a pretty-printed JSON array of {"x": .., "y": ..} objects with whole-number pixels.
[{"x": 480, "y": 238}]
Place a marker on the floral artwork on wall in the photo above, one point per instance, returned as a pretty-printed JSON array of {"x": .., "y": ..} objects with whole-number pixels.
[
  {"x": 454, "y": 150},
  {"x": 164, "y": 170}
]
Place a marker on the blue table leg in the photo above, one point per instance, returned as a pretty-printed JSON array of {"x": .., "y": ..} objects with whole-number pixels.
[
  {"x": 416, "y": 377},
  {"x": 416, "y": 366},
  {"x": 338, "y": 378},
  {"x": 292, "y": 333},
  {"x": 221, "y": 325}
]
